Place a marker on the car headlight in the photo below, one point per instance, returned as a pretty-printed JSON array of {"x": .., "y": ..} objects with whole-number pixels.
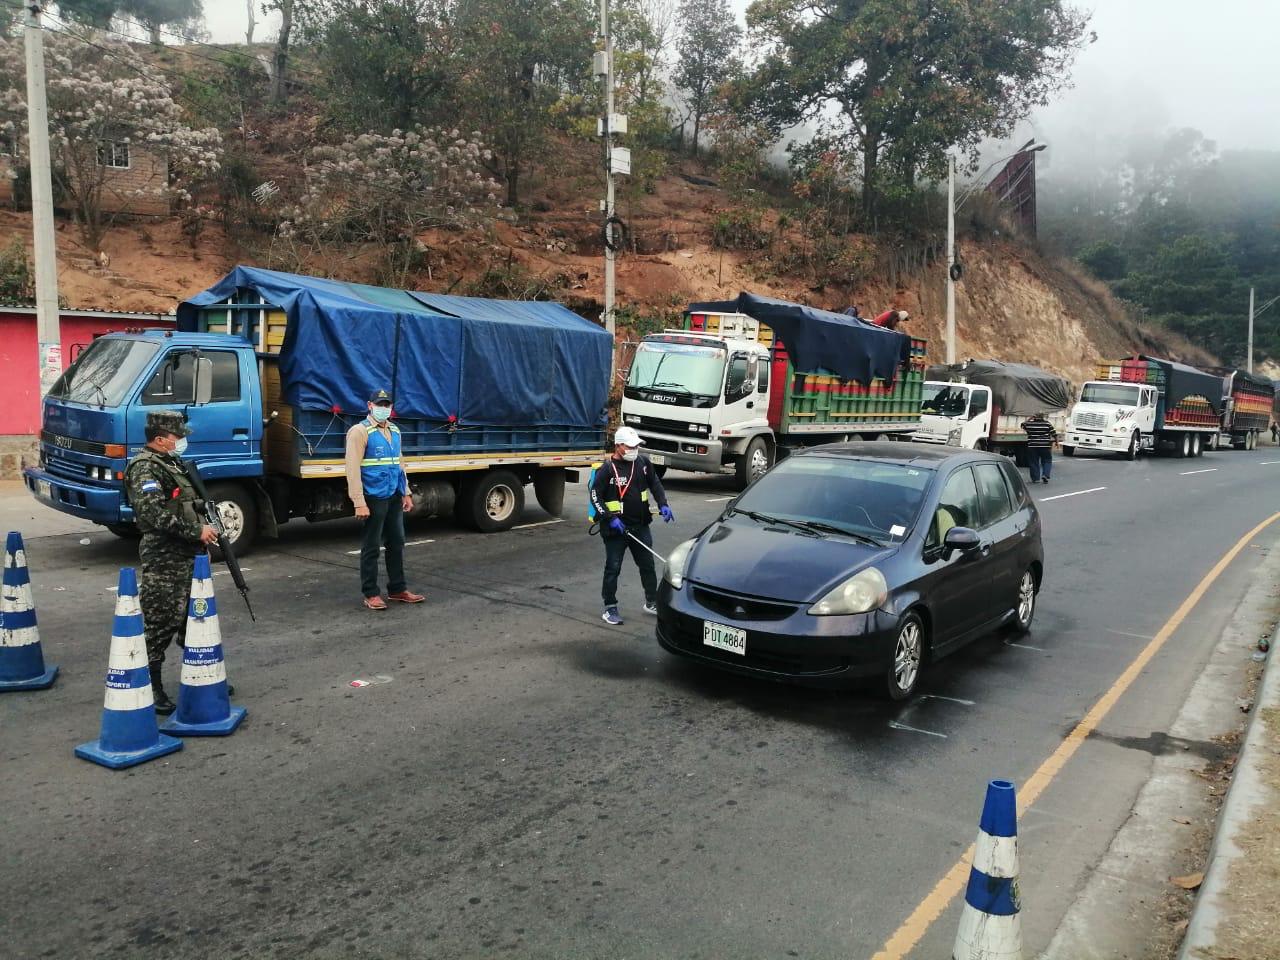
[
  {"x": 676, "y": 562},
  {"x": 864, "y": 591}
]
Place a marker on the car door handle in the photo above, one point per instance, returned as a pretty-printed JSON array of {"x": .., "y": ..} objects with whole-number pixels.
[{"x": 241, "y": 433}]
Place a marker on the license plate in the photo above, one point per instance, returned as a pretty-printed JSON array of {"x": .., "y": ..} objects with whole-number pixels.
[
  {"x": 657, "y": 459},
  {"x": 724, "y": 638},
  {"x": 44, "y": 489}
]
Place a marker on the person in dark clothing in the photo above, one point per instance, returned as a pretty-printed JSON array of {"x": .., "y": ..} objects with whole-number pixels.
[
  {"x": 620, "y": 494},
  {"x": 1040, "y": 440}
]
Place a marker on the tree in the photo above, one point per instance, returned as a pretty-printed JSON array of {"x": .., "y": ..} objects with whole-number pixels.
[
  {"x": 706, "y": 50},
  {"x": 518, "y": 58},
  {"x": 641, "y": 34},
  {"x": 908, "y": 80},
  {"x": 280, "y": 57},
  {"x": 152, "y": 14},
  {"x": 1105, "y": 260},
  {"x": 103, "y": 98}
]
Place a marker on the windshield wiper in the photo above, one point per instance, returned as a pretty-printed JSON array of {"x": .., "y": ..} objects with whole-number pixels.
[
  {"x": 832, "y": 528},
  {"x": 765, "y": 518},
  {"x": 670, "y": 386}
]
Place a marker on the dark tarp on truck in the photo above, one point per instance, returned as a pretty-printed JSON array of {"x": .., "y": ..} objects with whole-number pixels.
[
  {"x": 1018, "y": 389},
  {"x": 1182, "y": 381},
  {"x": 444, "y": 358}
]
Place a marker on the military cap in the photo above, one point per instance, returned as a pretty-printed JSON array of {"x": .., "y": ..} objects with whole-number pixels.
[
  {"x": 380, "y": 396},
  {"x": 167, "y": 421}
]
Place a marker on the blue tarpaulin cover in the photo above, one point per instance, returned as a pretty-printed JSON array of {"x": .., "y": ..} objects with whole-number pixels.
[
  {"x": 485, "y": 362},
  {"x": 821, "y": 340}
]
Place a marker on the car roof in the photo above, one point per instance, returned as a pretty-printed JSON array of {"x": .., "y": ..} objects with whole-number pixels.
[{"x": 892, "y": 451}]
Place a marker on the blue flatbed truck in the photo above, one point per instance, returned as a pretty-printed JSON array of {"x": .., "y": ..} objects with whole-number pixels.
[{"x": 271, "y": 370}]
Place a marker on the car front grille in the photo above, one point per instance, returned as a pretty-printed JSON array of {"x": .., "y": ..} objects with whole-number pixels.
[
  {"x": 661, "y": 443},
  {"x": 681, "y": 428},
  {"x": 1090, "y": 421},
  {"x": 742, "y": 608}
]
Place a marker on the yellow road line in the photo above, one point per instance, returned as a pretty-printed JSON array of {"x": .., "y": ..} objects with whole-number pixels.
[{"x": 913, "y": 929}]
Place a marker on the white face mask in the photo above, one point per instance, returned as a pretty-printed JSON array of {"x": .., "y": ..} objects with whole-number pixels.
[
  {"x": 380, "y": 414},
  {"x": 630, "y": 454},
  {"x": 180, "y": 446}
]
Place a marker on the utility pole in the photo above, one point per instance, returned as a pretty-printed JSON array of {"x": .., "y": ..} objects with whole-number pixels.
[
  {"x": 1250, "y": 358},
  {"x": 609, "y": 275},
  {"x": 48, "y": 334},
  {"x": 951, "y": 259}
]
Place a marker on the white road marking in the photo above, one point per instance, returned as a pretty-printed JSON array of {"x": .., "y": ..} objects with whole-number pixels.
[
  {"x": 718, "y": 499},
  {"x": 1188, "y": 473},
  {"x": 1136, "y": 636},
  {"x": 1024, "y": 646},
  {"x": 936, "y": 696},
  {"x": 410, "y": 543},
  {"x": 223, "y": 573},
  {"x": 1075, "y": 494},
  {"x": 540, "y": 523},
  {"x": 902, "y": 726},
  {"x": 1268, "y": 463}
]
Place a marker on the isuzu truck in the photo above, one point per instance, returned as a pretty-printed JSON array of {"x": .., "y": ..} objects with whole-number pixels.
[{"x": 271, "y": 369}]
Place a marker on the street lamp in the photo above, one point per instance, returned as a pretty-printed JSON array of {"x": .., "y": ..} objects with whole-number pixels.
[
  {"x": 953, "y": 271},
  {"x": 1256, "y": 313}
]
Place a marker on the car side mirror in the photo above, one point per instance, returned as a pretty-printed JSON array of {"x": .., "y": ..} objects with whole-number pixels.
[
  {"x": 204, "y": 380},
  {"x": 960, "y": 538}
]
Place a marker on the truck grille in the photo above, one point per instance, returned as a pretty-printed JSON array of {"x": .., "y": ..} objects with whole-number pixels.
[
  {"x": 1090, "y": 421},
  {"x": 681, "y": 428}
]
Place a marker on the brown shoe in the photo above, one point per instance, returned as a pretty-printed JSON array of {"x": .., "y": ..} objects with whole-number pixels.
[
  {"x": 375, "y": 603},
  {"x": 406, "y": 596}
]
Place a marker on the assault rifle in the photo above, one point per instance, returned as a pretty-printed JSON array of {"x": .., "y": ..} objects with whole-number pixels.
[{"x": 211, "y": 517}]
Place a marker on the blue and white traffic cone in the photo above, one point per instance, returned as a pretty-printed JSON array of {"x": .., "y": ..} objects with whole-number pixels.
[
  {"x": 990, "y": 928},
  {"x": 22, "y": 664},
  {"x": 129, "y": 732},
  {"x": 204, "y": 706}
]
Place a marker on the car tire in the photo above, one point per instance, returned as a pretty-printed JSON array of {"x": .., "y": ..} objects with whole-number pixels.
[
  {"x": 1068, "y": 451},
  {"x": 125, "y": 531},
  {"x": 239, "y": 514},
  {"x": 907, "y": 661},
  {"x": 1135, "y": 444},
  {"x": 753, "y": 463},
  {"x": 493, "y": 502},
  {"x": 1025, "y": 607}
]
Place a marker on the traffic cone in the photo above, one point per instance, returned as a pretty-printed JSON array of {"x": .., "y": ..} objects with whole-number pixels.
[
  {"x": 129, "y": 732},
  {"x": 204, "y": 706},
  {"x": 21, "y": 657},
  {"x": 990, "y": 928}
]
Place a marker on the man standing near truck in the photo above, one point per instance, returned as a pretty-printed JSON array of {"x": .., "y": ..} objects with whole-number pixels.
[
  {"x": 620, "y": 495},
  {"x": 164, "y": 509},
  {"x": 379, "y": 490},
  {"x": 1040, "y": 440}
]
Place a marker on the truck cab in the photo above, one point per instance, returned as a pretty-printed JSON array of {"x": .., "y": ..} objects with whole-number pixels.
[
  {"x": 1113, "y": 416},
  {"x": 958, "y": 414},
  {"x": 701, "y": 400},
  {"x": 95, "y": 418}
]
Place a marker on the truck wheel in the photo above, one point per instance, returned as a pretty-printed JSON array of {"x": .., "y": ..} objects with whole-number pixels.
[
  {"x": 1252, "y": 441},
  {"x": 492, "y": 502},
  {"x": 1135, "y": 444},
  {"x": 548, "y": 488},
  {"x": 1184, "y": 449},
  {"x": 753, "y": 464},
  {"x": 239, "y": 515},
  {"x": 125, "y": 531},
  {"x": 1197, "y": 446},
  {"x": 1068, "y": 451}
]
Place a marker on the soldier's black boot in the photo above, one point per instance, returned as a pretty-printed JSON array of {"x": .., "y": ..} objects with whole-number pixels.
[{"x": 164, "y": 706}]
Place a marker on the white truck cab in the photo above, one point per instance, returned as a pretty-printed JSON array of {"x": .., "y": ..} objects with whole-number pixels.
[
  {"x": 1114, "y": 417},
  {"x": 958, "y": 414}
]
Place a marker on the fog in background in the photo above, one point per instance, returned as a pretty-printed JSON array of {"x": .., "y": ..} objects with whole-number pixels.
[{"x": 1157, "y": 65}]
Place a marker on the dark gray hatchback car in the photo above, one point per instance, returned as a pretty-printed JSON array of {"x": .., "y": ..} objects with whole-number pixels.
[{"x": 855, "y": 561}]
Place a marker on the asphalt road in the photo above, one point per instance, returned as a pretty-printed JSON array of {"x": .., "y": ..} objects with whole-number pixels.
[{"x": 531, "y": 782}]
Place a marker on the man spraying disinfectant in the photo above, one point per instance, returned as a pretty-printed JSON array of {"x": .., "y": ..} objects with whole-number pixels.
[{"x": 620, "y": 493}]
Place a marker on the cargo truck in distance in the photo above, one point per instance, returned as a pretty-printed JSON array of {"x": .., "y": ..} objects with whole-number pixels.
[
  {"x": 745, "y": 381},
  {"x": 1144, "y": 403},
  {"x": 271, "y": 369},
  {"x": 981, "y": 405},
  {"x": 1247, "y": 401}
]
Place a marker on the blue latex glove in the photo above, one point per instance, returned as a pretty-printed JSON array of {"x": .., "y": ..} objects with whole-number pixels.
[
  {"x": 666, "y": 513},
  {"x": 617, "y": 526}
]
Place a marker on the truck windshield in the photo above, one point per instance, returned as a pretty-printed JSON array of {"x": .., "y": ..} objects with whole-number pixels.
[
  {"x": 945, "y": 399},
  {"x": 679, "y": 367},
  {"x": 104, "y": 372},
  {"x": 1113, "y": 393}
]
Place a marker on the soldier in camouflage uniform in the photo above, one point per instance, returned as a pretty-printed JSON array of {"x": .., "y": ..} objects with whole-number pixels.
[{"x": 164, "y": 507}]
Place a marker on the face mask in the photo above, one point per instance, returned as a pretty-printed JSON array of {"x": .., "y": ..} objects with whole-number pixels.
[
  {"x": 180, "y": 446},
  {"x": 630, "y": 455},
  {"x": 380, "y": 414}
]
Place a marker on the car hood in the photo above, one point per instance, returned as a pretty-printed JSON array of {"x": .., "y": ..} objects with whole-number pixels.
[{"x": 741, "y": 555}]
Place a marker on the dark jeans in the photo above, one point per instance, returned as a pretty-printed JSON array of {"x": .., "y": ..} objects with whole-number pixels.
[
  {"x": 615, "y": 548},
  {"x": 385, "y": 527},
  {"x": 1040, "y": 460}
]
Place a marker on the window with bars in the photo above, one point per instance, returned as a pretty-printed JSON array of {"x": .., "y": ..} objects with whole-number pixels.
[{"x": 113, "y": 153}]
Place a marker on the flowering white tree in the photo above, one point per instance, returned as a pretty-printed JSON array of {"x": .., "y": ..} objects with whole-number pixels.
[
  {"x": 387, "y": 190},
  {"x": 109, "y": 112}
]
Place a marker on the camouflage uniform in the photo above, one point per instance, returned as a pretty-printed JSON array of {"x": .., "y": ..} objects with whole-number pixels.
[{"x": 164, "y": 507}]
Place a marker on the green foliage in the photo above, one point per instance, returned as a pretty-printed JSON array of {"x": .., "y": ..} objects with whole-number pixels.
[
  {"x": 17, "y": 278},
  {"x": 1104, "y": 259},
  {"x": 644, "y": 322},
  {"x": 707, "y": 55}
]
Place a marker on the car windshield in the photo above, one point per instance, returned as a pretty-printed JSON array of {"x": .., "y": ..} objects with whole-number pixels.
[
  {"x": 866, "y": 498},
  {"x": 678, "y": 366},
  {"x": 104, "y": 372},
  {"x": 1109, "y": 393},
  {"x": 944, "y": 400}
]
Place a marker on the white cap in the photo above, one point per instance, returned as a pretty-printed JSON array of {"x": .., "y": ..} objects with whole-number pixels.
[{"x": 627, "y": 437}]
